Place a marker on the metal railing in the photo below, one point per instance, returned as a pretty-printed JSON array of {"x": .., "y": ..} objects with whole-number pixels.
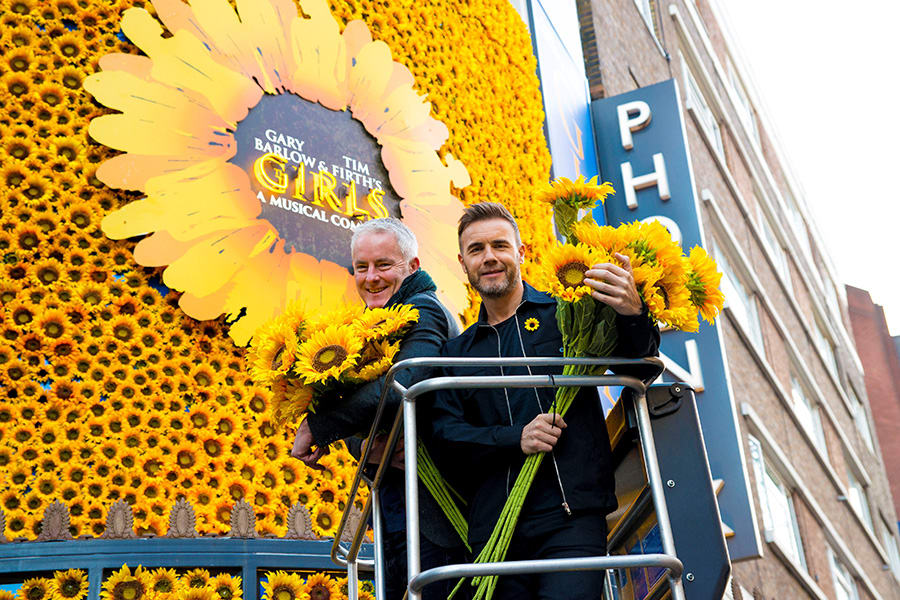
[{"x": 348, "y": 556}]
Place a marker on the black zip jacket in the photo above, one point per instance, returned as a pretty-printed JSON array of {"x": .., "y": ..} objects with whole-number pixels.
[
  {"x": 354, "y": 414},
  {"x": 479, "y": 431}
]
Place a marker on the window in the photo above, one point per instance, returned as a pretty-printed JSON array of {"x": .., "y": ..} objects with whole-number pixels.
[
  {"x": 696, "y": 101},
  {"x": 860, "y": 419},
  {"x": 824, "y": 345},
  {"x": 770, "y": 241},
  {"x": 856, "y": 496},
  {"x": 808, "y": 413},
  {"x": 646, "y": 9},
  {"x": 797, "y": 223},
  {"x": 844, "y": 586},
  {"x": 889, "y": 538},
  {"x": 742, "y": 106},
  {"x": 831, "y": 294},
  {"x": 779, "y": 517},
  {"x": 739, "y": 300}
]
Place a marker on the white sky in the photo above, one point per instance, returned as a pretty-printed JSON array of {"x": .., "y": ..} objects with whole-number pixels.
[{"x": 826, "y": 74}]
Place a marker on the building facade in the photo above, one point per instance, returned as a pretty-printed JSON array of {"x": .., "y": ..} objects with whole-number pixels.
[
  {"x": 822, "y": 521},
  {"x": 881, "y": 360}
]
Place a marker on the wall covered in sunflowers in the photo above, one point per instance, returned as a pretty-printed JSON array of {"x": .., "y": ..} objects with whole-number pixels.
[{"x": 108, "y": 391}]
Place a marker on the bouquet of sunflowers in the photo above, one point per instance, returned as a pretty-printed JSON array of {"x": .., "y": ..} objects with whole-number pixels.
[
  {"x": 676, "y": 289},
  {"x": 308, "y": 360}
]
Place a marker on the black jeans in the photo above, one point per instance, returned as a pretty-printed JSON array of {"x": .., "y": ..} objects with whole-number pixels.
[
  {"x": 431, "y": 555},
  {"x": 558, "y": 536}
]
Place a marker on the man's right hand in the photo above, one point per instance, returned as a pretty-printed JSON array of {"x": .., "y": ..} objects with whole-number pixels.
[
  {"x": 302, "y": 449},
  {"x": 542, "y": 433}
]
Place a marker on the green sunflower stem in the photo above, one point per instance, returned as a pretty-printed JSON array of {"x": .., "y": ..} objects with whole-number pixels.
[{"x": 441, "y": 491}]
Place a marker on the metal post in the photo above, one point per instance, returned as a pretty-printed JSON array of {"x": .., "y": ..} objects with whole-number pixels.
[
  {"x": 656, "y": 487},
  {"x": 378, "y": 526},
  {"x": 608, "y": 593},
  {"x": 352, "y": 580},
  {"x": 413, "y": 564}
]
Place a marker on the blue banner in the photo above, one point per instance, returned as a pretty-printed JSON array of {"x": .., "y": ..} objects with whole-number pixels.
[
  {"x": 642, "y": 151},
  {"x": 567, "y": 101}
]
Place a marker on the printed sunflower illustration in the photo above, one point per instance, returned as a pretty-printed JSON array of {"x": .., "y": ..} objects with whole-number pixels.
[
  {"x": 187, "y": 109},
  {"x": 531, "y": 324}
]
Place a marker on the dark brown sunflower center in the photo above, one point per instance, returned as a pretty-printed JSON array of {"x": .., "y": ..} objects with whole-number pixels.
[
  {"x": 163, "y": 585},
  {"x": 70, "y": 587},
  {"x": 36, "y": 592},
  {"x": 319, "y": 592},
  {"x": 283, "y": 593},
  {"x": 324, "y": 521},
  {"x": 328, "y": 357},
  {"x": 128, "y": 590},
  {"x": 277, "y": 359},
  {"x": 571, "y": 274},
  {"x": 224, "y": 592}
]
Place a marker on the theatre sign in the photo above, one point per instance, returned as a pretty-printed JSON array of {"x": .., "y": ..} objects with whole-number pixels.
[
  {"x": 257, "y": 160},
  {"x": 642, "y": 150}
]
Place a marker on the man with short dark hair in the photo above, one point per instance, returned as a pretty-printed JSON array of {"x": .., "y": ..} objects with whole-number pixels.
[
  {"x": 488, "y": 433},
  {"x": 387, "y": 273}
]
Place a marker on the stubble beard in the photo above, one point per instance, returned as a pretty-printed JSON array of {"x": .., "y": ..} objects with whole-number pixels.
[{"x": 498, "y": 289}]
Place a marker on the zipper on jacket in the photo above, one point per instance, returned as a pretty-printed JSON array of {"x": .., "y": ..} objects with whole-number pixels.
[
  {"x": 562, "y": 491},
  {"x": 505, "y": 395}
]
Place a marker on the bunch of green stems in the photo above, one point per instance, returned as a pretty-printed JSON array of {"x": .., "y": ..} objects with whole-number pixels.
[{"x": 442, "y": 492}]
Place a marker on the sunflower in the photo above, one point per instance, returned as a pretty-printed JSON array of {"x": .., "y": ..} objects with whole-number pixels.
[
  {"x": 328, "y": 491},
  {"x": 284, "y": 586},
  {"x": 564, "y": 268},
  {"x": 71, "y": 584},
  {"x": 196, "y": 578},
  {"x": 273, "y": 350},
  {"x": 531, "y": 324},
  {"x": 650, "y": 243},
  {"x": 163, "y": 581},
  {"x": 579, "y": 194},
  {"x": 325, "y": 519},
  {"x": 321, "y": 586},
  {"x": 123, "y": 585},
  {"x": 703, "y": 284},
  {"x": 377, "y": 323},
  {"x": 35, "y": 589},
  {"x": 327, "y": 354}
]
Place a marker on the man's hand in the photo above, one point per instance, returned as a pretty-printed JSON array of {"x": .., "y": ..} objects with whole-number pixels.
[
  {"x": 542, "y": 434},
  {"x": 379, "y": 442},
  {"x": 614, "y": 285},
  {"x": 302, "y": 449}
]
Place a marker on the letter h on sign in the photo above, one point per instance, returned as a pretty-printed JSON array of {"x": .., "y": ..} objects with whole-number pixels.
[{"x": 634, "y": 116}]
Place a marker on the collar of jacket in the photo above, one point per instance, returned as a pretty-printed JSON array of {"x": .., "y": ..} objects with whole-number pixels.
[
  {"x": 528, "y": 295},
  {"x": 417, "y": 283}
]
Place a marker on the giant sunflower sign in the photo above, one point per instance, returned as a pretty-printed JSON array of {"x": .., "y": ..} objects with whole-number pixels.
[
  {"x": 110, "y": 391},
  {"x": 261, "y": 138}
]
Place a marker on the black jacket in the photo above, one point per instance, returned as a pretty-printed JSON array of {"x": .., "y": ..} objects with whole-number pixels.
[
  {"x": 353, "y": 414},
  {"x": 480, "y": 430}
]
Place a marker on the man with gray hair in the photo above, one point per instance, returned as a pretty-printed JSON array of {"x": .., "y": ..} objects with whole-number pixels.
[{"x": 386, "y": 271}]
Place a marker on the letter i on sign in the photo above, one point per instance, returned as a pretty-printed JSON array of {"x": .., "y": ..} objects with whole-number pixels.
[{"x": 300, "y": 182}]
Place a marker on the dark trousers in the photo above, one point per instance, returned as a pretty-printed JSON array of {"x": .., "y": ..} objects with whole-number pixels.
[
  {"x": 431, "y": 555},
  {"x": 559, "y": 537}
]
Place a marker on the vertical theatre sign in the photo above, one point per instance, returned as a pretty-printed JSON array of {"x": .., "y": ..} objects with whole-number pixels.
[
  {"x": 260, "y": 138},
  {"x": 642, "y": 150}
]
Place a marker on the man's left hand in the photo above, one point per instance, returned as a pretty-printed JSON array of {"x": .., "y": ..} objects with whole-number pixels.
[
  {"x": 614, "y": 285},
  {"x": 302, "y": 449}
]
